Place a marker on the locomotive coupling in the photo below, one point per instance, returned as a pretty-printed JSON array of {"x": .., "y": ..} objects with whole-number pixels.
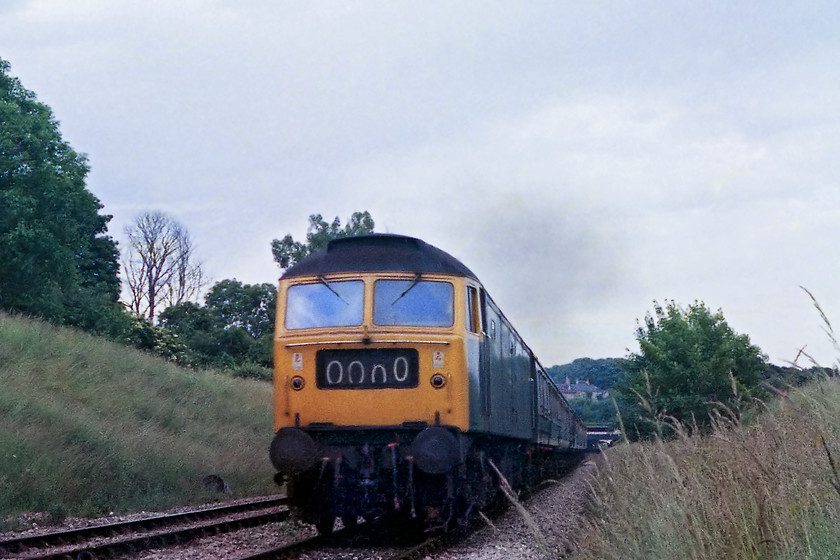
[{"x": 293, "y": 451}]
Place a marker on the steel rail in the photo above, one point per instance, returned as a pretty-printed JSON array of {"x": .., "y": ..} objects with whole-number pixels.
[
  {"x": 416, "y": 549},
  {"x": 167, "y": 538},
  {"x": 283, "y": 552},
  {"x": 149, "y": 524}
]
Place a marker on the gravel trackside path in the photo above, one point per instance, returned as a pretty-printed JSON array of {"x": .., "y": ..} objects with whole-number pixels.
[{"x": 558, "y": 512}]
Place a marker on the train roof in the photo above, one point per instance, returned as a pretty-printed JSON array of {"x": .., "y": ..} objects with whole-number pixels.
[{"x": 379, "y": 252}]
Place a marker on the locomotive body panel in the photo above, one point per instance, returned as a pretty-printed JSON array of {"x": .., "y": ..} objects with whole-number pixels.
[
  {"x": 369, "y": 374},
  {"x": 504, "y": 394}
]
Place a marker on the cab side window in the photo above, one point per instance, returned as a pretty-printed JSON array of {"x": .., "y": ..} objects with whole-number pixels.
[{"x": 473, "y": 317}]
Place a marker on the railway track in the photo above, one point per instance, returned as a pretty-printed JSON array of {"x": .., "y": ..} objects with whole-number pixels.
[
  {"x": 372, "y": 540},
  {"x": 129, "y": 537},
  {"x": 388, "y": 541},
  {"x": 105, "y": 541},
  {"x": 289, "y": 550},
  {"x": 340, "y": 545}
]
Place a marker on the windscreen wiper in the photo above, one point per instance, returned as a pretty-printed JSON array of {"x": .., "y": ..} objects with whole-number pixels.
[
  {"x": 330, "y": 288},
  {"x": 414, "y": 283}
]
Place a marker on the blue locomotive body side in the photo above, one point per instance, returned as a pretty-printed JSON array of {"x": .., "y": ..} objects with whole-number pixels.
[{"x": 511, "y": 394}]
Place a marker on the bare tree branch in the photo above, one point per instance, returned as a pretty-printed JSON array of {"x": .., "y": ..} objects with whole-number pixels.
[{"x": 160, "y": 270}]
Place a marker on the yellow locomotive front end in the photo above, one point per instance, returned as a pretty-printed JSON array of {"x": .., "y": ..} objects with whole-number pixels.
[
  {"x": 371, "y": 380},
  {"x": 365, "y": 350}
]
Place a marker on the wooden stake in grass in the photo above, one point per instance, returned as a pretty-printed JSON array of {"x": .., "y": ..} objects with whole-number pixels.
[{"x": 507, "y": 490}]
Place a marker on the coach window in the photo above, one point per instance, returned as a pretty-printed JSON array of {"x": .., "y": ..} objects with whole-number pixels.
[
  {"x": 473, "y": 320},
  {"x": 325, "y": 304},
  {"x": 417, "y": 303}
]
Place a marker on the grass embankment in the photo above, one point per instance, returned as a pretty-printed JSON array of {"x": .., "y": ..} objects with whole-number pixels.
[
  {"x": 89, "y": 427},
  {"x": 767, "y": 491}
]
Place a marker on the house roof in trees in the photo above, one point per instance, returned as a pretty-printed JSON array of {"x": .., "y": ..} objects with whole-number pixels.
[{"x": 578, "y": 388}]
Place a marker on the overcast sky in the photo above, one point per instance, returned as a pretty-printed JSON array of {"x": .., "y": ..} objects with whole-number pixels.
[{"x": 582, "y": 158}]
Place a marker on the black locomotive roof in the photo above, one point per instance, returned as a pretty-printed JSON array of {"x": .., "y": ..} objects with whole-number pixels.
[{"x": 379, "y": 252}]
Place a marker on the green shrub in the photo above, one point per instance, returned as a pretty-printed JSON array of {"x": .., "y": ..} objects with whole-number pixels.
[{"x": 252, "y": 371}]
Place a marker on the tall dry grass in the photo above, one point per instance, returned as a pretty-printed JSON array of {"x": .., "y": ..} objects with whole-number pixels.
[
  {"x": 770, "y": 490},
  {"x": 767, "y": 491}
]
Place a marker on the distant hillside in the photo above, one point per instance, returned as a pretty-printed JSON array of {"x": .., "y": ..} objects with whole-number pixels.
[
  {"x": 88, "y": 427},
  {"x": 605, "y": 371},
  {"x": 601, "y": 372}
]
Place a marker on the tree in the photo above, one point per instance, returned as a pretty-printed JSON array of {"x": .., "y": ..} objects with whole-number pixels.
[
  {"x": 160, "y": 269},
  {"x": 55, "y": 259},
  {"x": 288, "y": 252},
  {"x": 234, "y": 328},
  {"x": 600, "y": 412},
  {"x": 251, "y": 307},
  {"x": 601, "y": 372},
  {"x": 690, "y": 364}
]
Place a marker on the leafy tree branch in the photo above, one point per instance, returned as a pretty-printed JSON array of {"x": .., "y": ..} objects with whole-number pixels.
[{"x": 287, "y": 252}]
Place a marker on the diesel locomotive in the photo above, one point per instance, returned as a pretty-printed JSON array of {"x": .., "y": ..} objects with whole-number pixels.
[{"x": 402, "y": 391}]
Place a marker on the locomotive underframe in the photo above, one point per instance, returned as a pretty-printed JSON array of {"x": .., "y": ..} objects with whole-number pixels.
[{"x": 372, "y": 473}]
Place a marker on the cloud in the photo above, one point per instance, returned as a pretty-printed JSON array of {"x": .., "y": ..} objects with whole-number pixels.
[{"x": 583, "y": 159}]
